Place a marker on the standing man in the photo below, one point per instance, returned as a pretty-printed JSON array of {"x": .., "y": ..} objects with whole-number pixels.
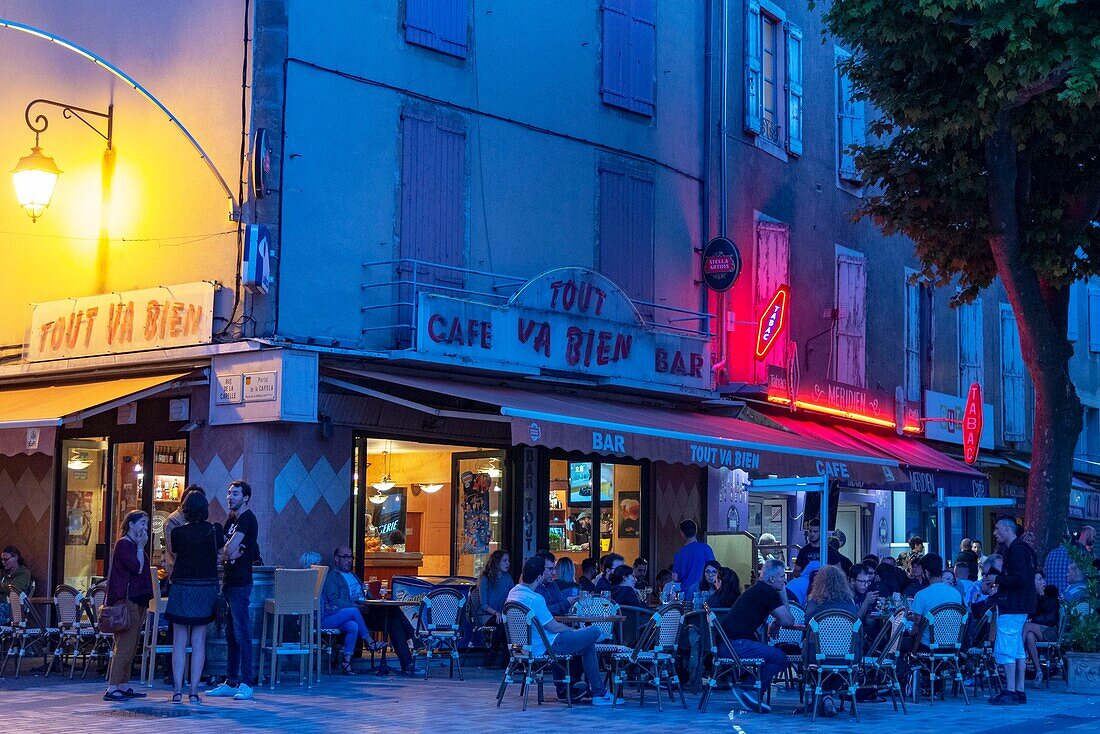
[
  {"x": 916, "y": 552},
  {"x": 1057, "y": 566},
  {"x": 812, "y": 550},
  {"x": 1016, "y": 599},
  {"x": 687, "y": 564},
  {"x": 240, "y": 530},
  {"x": 968, "y": 556}
]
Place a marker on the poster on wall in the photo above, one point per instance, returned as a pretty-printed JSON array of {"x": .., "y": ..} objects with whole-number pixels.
[
  {"x": 476, "y": 531},
  {"x": 78, "y": 524},
  {"x": 386, "y": 521},
  {"x": 630, "y": 510}
]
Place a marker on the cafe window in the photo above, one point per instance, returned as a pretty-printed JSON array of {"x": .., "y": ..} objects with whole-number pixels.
[
  {"x": 585, "y": 522},
  {"x": 426, "y": 509}
]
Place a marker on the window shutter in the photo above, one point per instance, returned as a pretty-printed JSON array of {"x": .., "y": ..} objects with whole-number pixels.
[
  {"x": 627, "y": 229},
  {"x": 971, "y": 352},
  {"x": 1071, "y": 323},
  {"x": 912, "y": 340},
  {"x": 851, "y": 349},
  {"x": 794, "y": 89},
  {"x": 643, "y": 40},
  {"x": 615, "y": 89},
  {"x": 1094, "y": 318},
  {"x": 849, "y": 127},
  {"x": 754, "y": 70},
  {"x": 1012, "y": 378},
  {"x": 437, "y": 24},
  {"x": 771, "y": 266}
]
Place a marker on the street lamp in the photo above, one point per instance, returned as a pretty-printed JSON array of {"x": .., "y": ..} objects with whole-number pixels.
[{"x": 35, "y": 176}]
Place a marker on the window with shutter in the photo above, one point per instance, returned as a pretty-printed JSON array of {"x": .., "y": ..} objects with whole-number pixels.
[
  {"x": 1012, "y": 378},
  {"x": 794, "y": 89},
  {"x": 754, "y": 111},
  {"x": 851, "y": 325},
  {"x": 771, "y": 253},
  {"x": 626, "y": 211},
  {"x": 629, "y": 48},
  {"x": 437, "y": 24},
  {"x": 1094, "y": 317},
  {"x": 1074, "y": 300},
  {"x": 850, "y": 124},
  {"x": 971, "y": 348},
  {"x": 913, "y": 292}
]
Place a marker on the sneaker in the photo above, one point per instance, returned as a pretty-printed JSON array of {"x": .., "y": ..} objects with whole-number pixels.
[
  {"x": 222, "y": 690},
  {"x": 244, "y": 692},
  {"x": 1021, "y": 697},
  {"x": 580, "y": 691},
  {"x": 747, "y": 700},
  {"x": 1004, "y": 698},
  {"x": 606, "y": 699}
]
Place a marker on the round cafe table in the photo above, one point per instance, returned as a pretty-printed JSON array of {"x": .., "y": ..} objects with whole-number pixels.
[{"x": 376, "y": 613}]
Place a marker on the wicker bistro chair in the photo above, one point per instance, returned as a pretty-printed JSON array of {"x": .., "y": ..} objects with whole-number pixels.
[
  {"x": 473, "y": 615},
  {"x": 609, "y": 651},
  {"x": 880, "y": 663},
  {"x": 734, "y": 667},
  {"x": 981, "y": 666},
  {"x": 789, "y": 640},
  {"x": 1052, "y": 653},
  {"x": 73, "y": 632},
  {"x": 318, "y": 634},
  {"x": 653, "y": 658},
  {"x": 101, "y": 646},
  {"x": 294, "y": 597},
  {"x": 833, "y": 638},
  {"x": 27, "y": 631},
  {"x": 439, "y": 627},
  {"x": 946, "y": 625},
  {"x": 524, "y": 666}
]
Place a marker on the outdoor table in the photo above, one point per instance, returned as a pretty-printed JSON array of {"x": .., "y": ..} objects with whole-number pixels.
[
  {"x": 586, "y": 619},
  {"x": 379, "y": 610}
]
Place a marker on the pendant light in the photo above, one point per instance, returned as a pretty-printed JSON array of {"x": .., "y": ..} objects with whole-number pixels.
[
  {"x": 431, "y": 488},
  {"x": 386, "y": 483}
]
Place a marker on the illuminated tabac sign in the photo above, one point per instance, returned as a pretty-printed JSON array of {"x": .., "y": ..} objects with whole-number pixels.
[
  {"x": 772, "y": 322},
  {"x": 972, "y": 423}
]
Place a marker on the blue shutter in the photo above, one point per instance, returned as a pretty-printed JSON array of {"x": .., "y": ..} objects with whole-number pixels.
[
  {"x": 1012, "y": 378},
  {"x": 794, "y": 89},
  {"x": 849, "y": 126},
  {"x": 643, "y": 40},
  {"x": 627, "y": 229},
  {"x": 437, "y": 24},
  {"x": 851, "y": 327},
  {"x": 754, "y": 70},
  {"x": 1094, "y": 318},
  {"x": 971, "y": 347},
  {"x": 912, "y": 340},
  {"x": 1071, "y": 323},
  {"x": 615, "y": 89}
]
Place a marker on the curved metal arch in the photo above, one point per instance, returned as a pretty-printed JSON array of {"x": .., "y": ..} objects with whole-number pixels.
[{"x": 99, "y": 61}]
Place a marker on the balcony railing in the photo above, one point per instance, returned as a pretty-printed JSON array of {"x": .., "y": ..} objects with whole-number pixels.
[{"x": 392, "y": 288}]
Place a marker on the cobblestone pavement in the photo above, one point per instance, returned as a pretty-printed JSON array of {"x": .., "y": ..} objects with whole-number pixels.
[{"x": 366, "y": 703}]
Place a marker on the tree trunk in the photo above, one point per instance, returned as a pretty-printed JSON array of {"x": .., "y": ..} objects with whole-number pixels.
[{"x": 1041, "y": 315}]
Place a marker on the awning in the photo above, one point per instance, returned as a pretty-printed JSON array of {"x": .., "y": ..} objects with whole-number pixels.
[
  {"x": 54, "y": 405},
  {"x": 1075, "y": 483},
  {"x": 602, "y": 426}
]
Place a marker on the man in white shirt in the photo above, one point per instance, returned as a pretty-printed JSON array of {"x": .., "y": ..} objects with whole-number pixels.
[
  {"x": 935, "y": 594},
  {"x": 563, "y": 640}
]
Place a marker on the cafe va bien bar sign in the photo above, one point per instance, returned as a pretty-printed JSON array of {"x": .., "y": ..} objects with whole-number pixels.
[
  {"x": 127, "y": 321},
  {"x": 564, "y": 321}
]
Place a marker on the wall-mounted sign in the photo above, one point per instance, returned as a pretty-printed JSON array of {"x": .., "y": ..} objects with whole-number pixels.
[
  {"x": 260, "y": 386},
  {"x": 127, "y": 414},
  {"x": 833, "y": 398},
  {"x": 773, "y": 320},
  {"x": 229, "y": 390},
  {"x": 131, "y": 321},
  {"x": 721, "y": 264},
  {"x": 33, "y": 437},
  {"x": 179, "y": 409},
  {"x": 972, "y": 423},
  {"x": 945, "y": 414},
  {"x": 569, "y": 320}
]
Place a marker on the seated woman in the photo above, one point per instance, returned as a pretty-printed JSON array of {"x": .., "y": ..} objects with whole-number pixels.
[
  {"x": 707, "y": 585},
  {"x": 493, "y": 586},
  {"x": 830, "y": 591},
  {"x": 622, "y": 586},
  {"x": 15, "y": 573},
  {"x": 567, "y": 577},
  {"x": 1043, "y": 624},
  {"x": 728, "y": 588}
]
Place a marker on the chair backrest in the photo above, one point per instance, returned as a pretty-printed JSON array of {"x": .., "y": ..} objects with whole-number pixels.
[
  {"x": 598, "y": 606},
  {"x": 17, "y": 599},
  {"x": 473, "y": 605},
  {"x": 97, "y": 597},
  {"x": 834, "y": 636},
  {"x": 322, "y": 574},
  {"x": 718, "y": 637},
  {"x": 294, "y": 589},
  {"x": 158, "y": 598},
  {"x": 783, "y": 635},
  {"x": 667, "y": 621},
  {"x": 946, "y": 627},
  {"x": 441, "y": 610},
  {"x": 521, "y": 627},
  {"x": 68, "y": 603}
]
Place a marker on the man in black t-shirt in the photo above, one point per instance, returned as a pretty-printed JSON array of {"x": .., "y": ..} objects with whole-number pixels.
[
  {"x": 767, "y": 597},
  {"x": 812, "y": 550},
  {"x": 238, "y": 554}
]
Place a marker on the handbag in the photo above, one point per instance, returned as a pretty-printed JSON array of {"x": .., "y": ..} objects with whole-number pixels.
[{"x": 114, "y": 618}]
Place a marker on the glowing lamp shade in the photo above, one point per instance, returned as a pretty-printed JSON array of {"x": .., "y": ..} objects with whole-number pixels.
[
  {"x": 385, "y": 485},
  {"x": 377, "y": 499},
  {"x": 35, "y": 177},
  {"x": 431, "y": 488}
]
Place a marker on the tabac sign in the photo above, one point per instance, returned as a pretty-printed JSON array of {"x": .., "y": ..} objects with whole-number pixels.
[
  {"x": 568, "y": 320},
  {"x": 130, "y": 321}
]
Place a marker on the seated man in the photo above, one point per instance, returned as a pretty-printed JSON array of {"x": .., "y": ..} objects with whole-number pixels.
[
  {"x": 937, "y": 593},
  {"x": 917, "y": 579},
  {"x": 641, "y": 574},
  {"x": 622, "y": 587},
  {"x": 563, "y": 640},
  {"x": 767, "y": 597},
  {"x": 607, "y": 564},
  {"x": 556, "y": 600},
  {"x": 963, "y": 582},
  {"x": 859, "y": 579},
  {"x": 340, "y": 610},
  {"x": 589, "y": 568}
]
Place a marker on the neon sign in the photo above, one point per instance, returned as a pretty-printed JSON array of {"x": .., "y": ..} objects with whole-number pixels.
[
  {"x": 972, "y": 423},
  {"x": 772, "y": 322}
]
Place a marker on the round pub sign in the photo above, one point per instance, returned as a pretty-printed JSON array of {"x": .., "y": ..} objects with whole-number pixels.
[{"x": 721, "y": 264}]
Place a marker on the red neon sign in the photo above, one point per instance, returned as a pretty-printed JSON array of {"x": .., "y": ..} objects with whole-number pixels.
[
  {"x": 772, "y": 322},
  {"x": 972, "y": 423}
]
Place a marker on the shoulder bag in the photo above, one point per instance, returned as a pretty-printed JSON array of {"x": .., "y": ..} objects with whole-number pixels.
[{"x": 114, "y": 618}]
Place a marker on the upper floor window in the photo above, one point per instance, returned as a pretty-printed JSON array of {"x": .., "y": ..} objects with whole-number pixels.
[
  {"x": 629, "y": 50},
  {"x": 1013, "y": 411},
  {"x": 851, "y": 125},
  {"x": 773, "y": 78},
  {"x": 626, "y": 227},
  {"x": 918, "y": 312},
  {"x": 971, "y": 346},
  {"x": 437, "y": 24},
  {"x": 771, "y": 269},
  {"x": 851, "y": 323}
]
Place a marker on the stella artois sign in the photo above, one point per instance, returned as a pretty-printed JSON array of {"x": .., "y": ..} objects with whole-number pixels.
[{"x": 972, "y": 423}]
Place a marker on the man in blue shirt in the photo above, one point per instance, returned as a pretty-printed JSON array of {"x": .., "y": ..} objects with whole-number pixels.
[{"x": 687, "y": 564}]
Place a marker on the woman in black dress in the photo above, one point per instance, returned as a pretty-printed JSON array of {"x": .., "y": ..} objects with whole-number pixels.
[{"x": 194, "y": 591}]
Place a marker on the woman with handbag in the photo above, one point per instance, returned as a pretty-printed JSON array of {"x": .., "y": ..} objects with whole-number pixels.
[
  {"x": 194, "y": 591},
  {"x": 129, "y": 589}
]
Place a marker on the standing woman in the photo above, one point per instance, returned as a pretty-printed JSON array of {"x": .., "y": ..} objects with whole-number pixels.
[
  {"x": 194, "y": 591},
  {"x": 128, "y": 584}
]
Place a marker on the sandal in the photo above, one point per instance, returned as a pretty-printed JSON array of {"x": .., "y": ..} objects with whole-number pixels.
[
  {"x": 177, "y": 698},
  {"x": 345, "y": 667},
  {"x": 131, "y": 693},
  {"x": 193, "y": 698},
  {"x": 114, "y": 696}
]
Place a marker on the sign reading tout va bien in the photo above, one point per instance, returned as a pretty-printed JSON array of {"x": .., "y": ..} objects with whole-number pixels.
[
  {"x": 130, "y": 321},
  {"x": 569, "y": 320}
]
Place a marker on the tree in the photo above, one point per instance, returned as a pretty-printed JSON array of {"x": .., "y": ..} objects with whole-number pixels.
[{"x": 984, "y": 153}]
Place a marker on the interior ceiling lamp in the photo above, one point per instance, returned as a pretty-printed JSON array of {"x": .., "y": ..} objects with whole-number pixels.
[
  {"x": 491, "y": 468},
  {"x": 78, "y": 460},
  {"x": 377, "y": 499},
  {"x": 386, "y": 483},
  {"x": 35, "y": 176},
  {"x": 431, "y": 488}
]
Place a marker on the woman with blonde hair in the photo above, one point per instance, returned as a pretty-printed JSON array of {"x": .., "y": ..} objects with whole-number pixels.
[{"x": 830, "y": 590}]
